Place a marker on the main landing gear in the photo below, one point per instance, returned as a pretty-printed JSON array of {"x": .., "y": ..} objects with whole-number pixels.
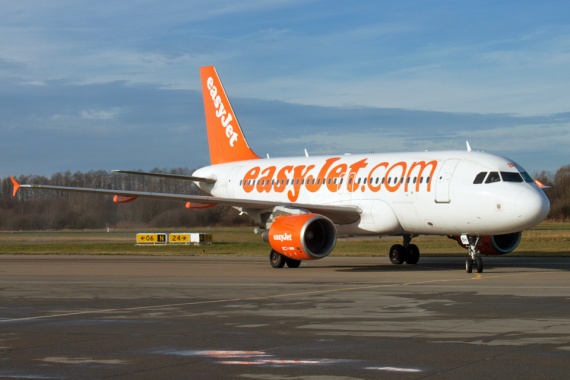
[
  {"x": 406, "y": 252},
  {"x": 278, "y": 260},
  {"x": 474, "y": 256}
]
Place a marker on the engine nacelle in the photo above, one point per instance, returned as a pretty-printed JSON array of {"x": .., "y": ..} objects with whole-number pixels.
[
  {"x": 496, "y": 244},
  {"x": 302, "y": 237}
]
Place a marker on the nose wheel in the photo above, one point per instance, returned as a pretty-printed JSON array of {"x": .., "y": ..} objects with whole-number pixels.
[
  {"x": 478, "y": 262},
  {"x": 474, "y": 256}
]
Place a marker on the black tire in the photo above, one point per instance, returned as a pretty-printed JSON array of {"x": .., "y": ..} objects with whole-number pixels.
[
  {"x": 469, "y": 265},
  {"x": 413, "y": 255},
  {"x": 292, "y": 263},
  {"x": 276, "y": 259},
  {"x": 479, "y": 263},
  {"x": 397, "y": 254}
]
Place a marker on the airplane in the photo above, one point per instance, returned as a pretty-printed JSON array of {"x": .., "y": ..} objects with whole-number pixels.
[{"x": 301, "y": 204}]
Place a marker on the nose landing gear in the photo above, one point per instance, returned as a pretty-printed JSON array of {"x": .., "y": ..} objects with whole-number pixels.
[{"x": 474, "y": 256}]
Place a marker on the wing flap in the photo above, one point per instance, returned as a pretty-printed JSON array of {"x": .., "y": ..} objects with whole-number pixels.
[{"x": 170, "y": 176}]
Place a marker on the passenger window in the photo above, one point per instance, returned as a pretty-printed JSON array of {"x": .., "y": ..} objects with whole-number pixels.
[
  {"x": 493, "y": 177},
  {"x": 480, "y": 177},
  {"x": 511, "y": 177}
]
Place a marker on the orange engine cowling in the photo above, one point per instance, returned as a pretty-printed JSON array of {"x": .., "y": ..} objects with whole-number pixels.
[
  {"x": 302, "y": 237},
  {"x": 495, "y": 244}
]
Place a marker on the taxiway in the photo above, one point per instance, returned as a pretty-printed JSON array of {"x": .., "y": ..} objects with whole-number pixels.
[{"x": 236, "y": 317}]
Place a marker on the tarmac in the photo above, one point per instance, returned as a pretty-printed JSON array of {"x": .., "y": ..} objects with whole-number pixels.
[{"x": 69, "y": 317}]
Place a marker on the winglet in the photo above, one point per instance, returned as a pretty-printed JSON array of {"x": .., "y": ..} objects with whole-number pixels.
[
  {"x": 16, "y": 186},
  {"x": 541, "y": 185},
  {"x": 225, "y": 138}
]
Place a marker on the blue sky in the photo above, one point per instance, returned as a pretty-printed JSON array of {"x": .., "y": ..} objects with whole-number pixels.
[{"x": 108, "y": 85}]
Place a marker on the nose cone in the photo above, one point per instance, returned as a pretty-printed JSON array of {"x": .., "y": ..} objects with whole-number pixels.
[{"x": 532, "y": 206}]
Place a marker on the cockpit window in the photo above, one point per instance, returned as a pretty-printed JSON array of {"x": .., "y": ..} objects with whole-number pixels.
[
  {"x": 480, "y": 177},
  {"x": 493, "y": 177},
  {"x": 526, "y": 177},
  {"x": 511, "y": 177}
]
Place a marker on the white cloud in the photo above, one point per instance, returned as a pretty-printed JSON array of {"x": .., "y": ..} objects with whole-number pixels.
[
  {"x": 93, "y": 114},
  {"x": 508, "y": 58}
]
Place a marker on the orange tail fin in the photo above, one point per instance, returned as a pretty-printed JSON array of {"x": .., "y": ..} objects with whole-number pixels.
[{"x": 225, "y": 137}]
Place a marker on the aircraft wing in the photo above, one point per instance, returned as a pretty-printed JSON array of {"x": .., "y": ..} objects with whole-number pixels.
[
  {"x": 337, "y": 214},
  {"x": 170, "y": 176}
]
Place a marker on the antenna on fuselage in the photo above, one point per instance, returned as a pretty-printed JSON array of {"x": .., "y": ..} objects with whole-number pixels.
[
  {"x": 468, "y": 146},
  {"x": 306, "y": 153}
]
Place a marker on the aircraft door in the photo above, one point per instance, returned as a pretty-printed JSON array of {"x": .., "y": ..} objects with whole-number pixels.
[{"x": 443, "y": 180}]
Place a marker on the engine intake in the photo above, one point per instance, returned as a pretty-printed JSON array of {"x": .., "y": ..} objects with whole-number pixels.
[{"x": 302, "y": 237}]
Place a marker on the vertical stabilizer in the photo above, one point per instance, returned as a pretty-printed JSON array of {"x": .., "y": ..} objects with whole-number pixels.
[{"x": 225, "y": 137}]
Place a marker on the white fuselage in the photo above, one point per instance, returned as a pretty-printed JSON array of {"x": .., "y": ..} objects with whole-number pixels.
[{"x": 398, "y": 193}]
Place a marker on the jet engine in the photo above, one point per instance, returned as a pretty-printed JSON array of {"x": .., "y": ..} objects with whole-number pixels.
[
  {"x": 302, "y": 237},
  {"x": 496, "y": 244}
]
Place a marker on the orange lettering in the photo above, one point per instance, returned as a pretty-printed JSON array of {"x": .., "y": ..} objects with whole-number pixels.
[
  {"x": 299, "y": 174},
  {"x": 354, "y": 168},
  {"x": 422, "y": 165},
  {"x": 373, "y": 187},
  {"x": 314, "y": 184},
  {"x": 392, "y": 177},
  {"x": 264, "y": 183},
  {"x": 393, "y": 187},
  {"x": 282, "y": 178},
  {"x": 249, "y": 179},
  {"x": 335, "y": 174}
]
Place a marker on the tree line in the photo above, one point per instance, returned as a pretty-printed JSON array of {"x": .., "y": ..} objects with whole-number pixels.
[
  {"x": 46, "y": 209},
  {"x": 43, "y": 209}
]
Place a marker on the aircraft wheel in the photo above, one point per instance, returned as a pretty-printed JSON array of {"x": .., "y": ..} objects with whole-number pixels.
[
  {"x": 469, "y": 265},
  {"x": 397, "y": 254},
  {"x": 292, "y": 263},
  {"x": 479, "y": 263},
  {"x": 413, "y": 255},
  {"x": 276, "y": 259}
]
